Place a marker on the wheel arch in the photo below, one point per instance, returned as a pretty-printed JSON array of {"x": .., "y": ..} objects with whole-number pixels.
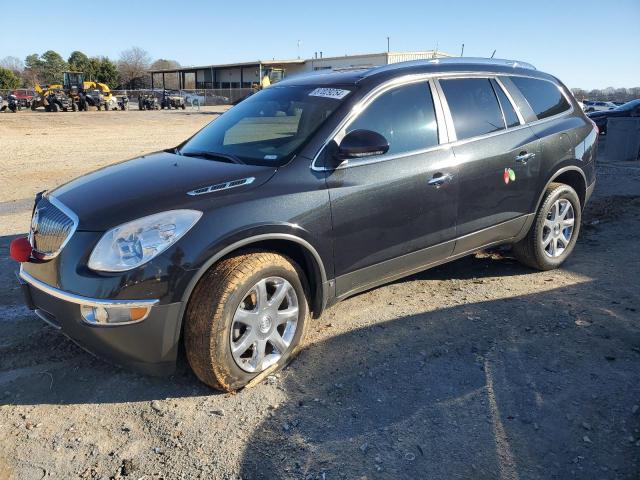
[
  {"x": 572, "y": 176},
  {"x": 296, "y": 248}
]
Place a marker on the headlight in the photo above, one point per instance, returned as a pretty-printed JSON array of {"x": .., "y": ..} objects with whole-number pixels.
[{"x": 135, "y": 243}]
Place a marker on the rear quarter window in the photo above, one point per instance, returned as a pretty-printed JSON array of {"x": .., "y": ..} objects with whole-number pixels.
[
  {"x": 473, "y": 105},
  {"x": 544, "y": 98}
]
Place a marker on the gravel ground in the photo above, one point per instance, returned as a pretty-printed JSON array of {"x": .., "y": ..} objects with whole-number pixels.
[{"x": 478, "y": 369}]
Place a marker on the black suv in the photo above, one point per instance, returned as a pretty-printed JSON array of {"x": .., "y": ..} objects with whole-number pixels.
[{"x": 307, "y": 192}]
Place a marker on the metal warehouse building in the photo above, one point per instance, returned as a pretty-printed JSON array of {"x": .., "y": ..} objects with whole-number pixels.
[{"x": 247, "y": 74}]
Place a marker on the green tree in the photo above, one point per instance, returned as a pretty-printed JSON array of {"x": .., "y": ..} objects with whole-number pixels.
[
  {"x": 33, "y": 62},
  {"x": 8, "y": 79},
  {"x": 53, "y": 65},
  {"x": 79, "y": 62},
  {"x": 107, "y": 72},
  {"x": 32, "y": 69}
]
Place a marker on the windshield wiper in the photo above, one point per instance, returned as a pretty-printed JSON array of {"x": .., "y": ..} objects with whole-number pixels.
[{"x": 220, "y": 157}]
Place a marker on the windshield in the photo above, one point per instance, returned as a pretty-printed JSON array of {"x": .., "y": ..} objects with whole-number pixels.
[
  {"x": 268, "y": 127},
  {"x": 628, "y": 106}
]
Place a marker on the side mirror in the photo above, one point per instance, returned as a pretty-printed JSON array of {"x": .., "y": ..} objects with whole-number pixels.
[{"x": 362, "y": 143}]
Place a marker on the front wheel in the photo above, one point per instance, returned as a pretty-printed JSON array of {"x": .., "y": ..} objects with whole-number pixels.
[
  {"x": 555, "y": 230},
  {"x": 247, "y": 314}
]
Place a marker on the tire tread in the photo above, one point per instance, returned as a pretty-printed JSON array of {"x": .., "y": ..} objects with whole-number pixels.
[{"x": 205, "y": 329}]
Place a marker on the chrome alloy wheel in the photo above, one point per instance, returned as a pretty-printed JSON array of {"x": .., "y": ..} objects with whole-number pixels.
[
  {"x": 558, "y": 228},
  {"x": 264, "y": 324}
]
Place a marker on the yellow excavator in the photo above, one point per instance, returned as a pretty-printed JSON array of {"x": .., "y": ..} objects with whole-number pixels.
[
  {"x": 51, "y": 97},
  {"x": 270, "y": 75},
  {"x": 75, "y": 93}
]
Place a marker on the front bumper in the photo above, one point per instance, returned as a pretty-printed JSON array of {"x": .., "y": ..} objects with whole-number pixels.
[{"x": 149, "y": 346}]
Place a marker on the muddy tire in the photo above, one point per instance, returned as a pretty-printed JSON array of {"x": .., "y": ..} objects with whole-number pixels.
[
  {"x": 247, "y": 314},
  {"x": 555, "y": 230}
]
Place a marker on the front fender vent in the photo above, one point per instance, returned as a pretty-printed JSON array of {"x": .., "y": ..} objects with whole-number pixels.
[{"x": 221, "y": 186}]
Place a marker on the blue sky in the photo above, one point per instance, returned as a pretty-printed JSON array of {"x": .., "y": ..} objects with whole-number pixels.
[{"x": 588, "y": 44}]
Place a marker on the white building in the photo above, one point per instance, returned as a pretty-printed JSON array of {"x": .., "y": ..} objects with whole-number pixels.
[{"x": 247, "y": 74}]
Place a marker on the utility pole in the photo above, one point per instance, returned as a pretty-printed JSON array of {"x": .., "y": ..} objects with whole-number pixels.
[
  {"x": 462, "y": 52},
  {"x": 494, "y": 52},
  {"x": 388, "y": 50},
  {"x": 299, "y": 42}
]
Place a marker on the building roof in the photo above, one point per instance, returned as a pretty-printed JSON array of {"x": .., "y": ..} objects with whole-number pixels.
[
  {"x": 426, "y": 53},
  {"x": 229, "y": 65}
]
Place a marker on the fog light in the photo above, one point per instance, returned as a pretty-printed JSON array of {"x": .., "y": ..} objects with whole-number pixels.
[{"x": 113, "y": 315}]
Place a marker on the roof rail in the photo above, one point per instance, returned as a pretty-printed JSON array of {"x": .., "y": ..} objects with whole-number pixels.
[
  {"x": 453, "y": 61},
  {"x": 483, "y": 60}
]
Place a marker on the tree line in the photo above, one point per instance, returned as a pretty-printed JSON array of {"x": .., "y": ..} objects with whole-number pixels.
[
  {"x": 608, "y": 94},
  {"x": 130, "y": 71}
]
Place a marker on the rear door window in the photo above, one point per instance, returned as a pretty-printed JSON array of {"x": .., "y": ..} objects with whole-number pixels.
[
  {"x": 474, "y": 107},
  {"x": 405, "y": 116},
  {"x": 510, "y": 116},
  {"x": 544, "y": 97}
]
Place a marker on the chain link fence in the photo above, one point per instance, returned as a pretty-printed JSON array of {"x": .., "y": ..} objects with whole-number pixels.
[{"x": 194, "y": 98}]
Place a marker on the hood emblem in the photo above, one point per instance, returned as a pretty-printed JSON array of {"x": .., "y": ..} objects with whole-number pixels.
[{"x": 221, "y": 186}]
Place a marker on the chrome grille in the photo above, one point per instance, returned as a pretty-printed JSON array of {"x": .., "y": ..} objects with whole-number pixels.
[{"x": 52, "y": 225}]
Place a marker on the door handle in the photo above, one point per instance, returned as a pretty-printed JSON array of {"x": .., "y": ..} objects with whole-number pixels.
[
  {"x": 440, "y": 179},
  {"x": 524, "y": 157}
]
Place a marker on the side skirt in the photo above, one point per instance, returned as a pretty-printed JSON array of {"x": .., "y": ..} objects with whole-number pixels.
[{"x": 375, "y": 275}]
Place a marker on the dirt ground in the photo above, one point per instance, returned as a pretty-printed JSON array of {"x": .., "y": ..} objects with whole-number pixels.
[
  {"x": 478, "y": 369},
  {"x": 40, "y": 150}
]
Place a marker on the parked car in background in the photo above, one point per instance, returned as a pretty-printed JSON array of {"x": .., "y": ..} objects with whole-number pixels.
[
  {"x": 24, "y": 98},
  {"x": 172, "y": 99},
  {"x": 148, "y": 101},
  {"x": 629, "y": 109},
  {"x": 193, "y": 99},
  {"x": 591, "y": 106},
  {"x": 302, "y": 195},
  {"x": 13, "y": 103},
  {"x": 123, "y": 101}
]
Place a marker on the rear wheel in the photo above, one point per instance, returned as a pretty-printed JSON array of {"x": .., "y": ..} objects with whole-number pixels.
[
  {"x": 555, "y": 230},
  {"x": 247, "y": 314}
]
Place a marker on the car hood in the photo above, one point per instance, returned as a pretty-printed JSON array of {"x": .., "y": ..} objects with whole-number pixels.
[{"x": 152, "y": 183}]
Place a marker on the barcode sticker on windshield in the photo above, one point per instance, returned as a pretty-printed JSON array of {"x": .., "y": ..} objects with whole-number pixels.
[{"x": 335, "y": 93}]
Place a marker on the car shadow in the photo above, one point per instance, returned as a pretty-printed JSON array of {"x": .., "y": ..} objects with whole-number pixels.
[{"x": 495, "y": 389}]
